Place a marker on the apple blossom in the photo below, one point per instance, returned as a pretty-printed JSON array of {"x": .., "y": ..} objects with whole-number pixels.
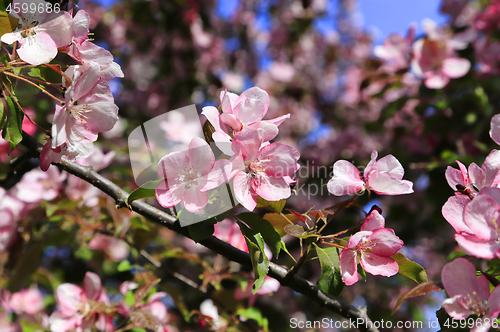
[
  {"x": 74, "y": 306},
  {"x": 37, "y": 185},
  {"x": 480, "y": 215},
  {"x": 189, "y": 174},
  {"x": 39, "y": 33},
  {"x": 374, "y": 244},
  {"x": 239, "y": 112},
  {"x": 475, "y": 178},
  {"x": 88, "y": 109},
  {"x": 261, "y": 171},
  {"x": 383, "y": 177},
  {"x": 28, "y": 301},
  {"x": 469, "y": 294},
  {"x": 434, "y": 57}
]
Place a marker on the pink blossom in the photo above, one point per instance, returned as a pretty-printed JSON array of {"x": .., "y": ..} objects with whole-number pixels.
[
  {"x": 469, "y": 294},
  {"x": 261, "y": 171},
  {"x": 28, "y": 301},
  {"x": 116, "y": 249},
  {"x": 475, "y": 178},
  {"x": 89, "y": 109},
  {"x": 270, "y": 286},
  {"x": 375, "y": 244},
  {"x": 50, "y": 155},
  {"x": 383, "y": 177},
  {"x": 395, "y": 51},
  {"x": 84, "y": 51},
  {"x": 435, "y": 61},
  {"x": 495, "y": 129},
  {"x": 74, "y": 307},
  {"x": 189, "y": 174},
  {"x": 238, "y": 112},
  {"x": 39, "y": 33},
  {"x": 37, "y": 185},
  {"x": 179, "y": 129},
  {"x": 480, "y": 237},
  {"x": 229, "y": 231}
]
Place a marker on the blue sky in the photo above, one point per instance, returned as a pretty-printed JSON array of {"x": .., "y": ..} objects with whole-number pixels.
[{"x": 384, "y": 17}]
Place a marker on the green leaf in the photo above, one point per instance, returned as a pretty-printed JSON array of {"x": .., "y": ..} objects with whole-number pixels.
[
  {"x": 260, "y": 263},
  {"x": 124, "y": 266},
  {"x": 7, "y": 22},
  {"x": 16, "y": 70},
  {"x": 35, "y": 72},
  {"x": 279, "y": 222},
  {"x": 28, "y": 326},
  {"x": 12, "y": 131},
  {"x": 3, "y": 114},
  {"x": 330, "y": 280},
  {"x": 410, "y": 269},
  {"x": 255, "y": 314},
  {"x": 298, "y": 231},
  {"x": 147, "y": 190},
  {"x": 276, "y": 206},
  {"x": 262, "y": 226},
  {"x": 129, "y": 298}
]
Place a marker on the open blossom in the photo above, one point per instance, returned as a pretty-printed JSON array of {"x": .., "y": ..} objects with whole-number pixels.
[
  {"x": 435, "y": 60},
  {"x": 495, "y": 129},
  {"x": 85, "y": 51},
  {"x": 238, "y": 112},
  {"x": 88, "y": 109},
  {"x": 189, "y": 174},
  {"x": 37, "y": 185},
  {"x": 395, "y": 51},
  {"x": 261, "y": 171},
  {"x": 39, "y": 33},
  {"x": 27, "y": 301},
  {"x": 469, "y": 294},
  {"x": 74, "y": 306},
  {"x": 478, "y": 231},
  {"x": 473, "y": 179},
  {"x": 383, "y": 177},
  {"x": 374, "y": 244}
]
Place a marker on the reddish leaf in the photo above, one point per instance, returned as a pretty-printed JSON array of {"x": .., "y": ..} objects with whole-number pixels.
[
  {"x": 298, "y": 215},
  {"x": 144, "y": 320},
  {"x": 418, "y": 290},
  {"x": 142, "y": 292},
  {"x": 320, "y": 214}
]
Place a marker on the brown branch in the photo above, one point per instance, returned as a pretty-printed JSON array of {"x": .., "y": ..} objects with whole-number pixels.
[{"x": 277, "y": 272}]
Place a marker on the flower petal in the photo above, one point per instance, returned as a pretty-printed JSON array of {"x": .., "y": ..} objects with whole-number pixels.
[
  {"x": 346, "y": 179},
  {"x": 201, "y": 156},
  {"x": 242, "y": 186},
  {"x": 348, "y": 266},
  {"x": 475, "y": 246},
  {"x": 251, "y": 105},
  {"x": 459, "y": 277},
  {"x": 373, "y": 221},
  {"x": 194, "y": 200},
  {"x": 455, "y": 67},
  {"x": 279, "y": 160},
  {"x": 386, "y": 243},
  {"x": 271, "y": 188},
  {"x": 379, "y": 265},
  {"x": 453, "y": 212},
  {"x": 37, "y": 49}
]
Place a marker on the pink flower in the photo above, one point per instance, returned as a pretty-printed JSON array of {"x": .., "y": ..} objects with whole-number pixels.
[
  {"x": 383, "y": 177},
  {"x": 495, "y": 129},
  {"x": 434, "y": 58},
  {"x": 479, "y": 232},
  {"x": 261, "y": 171},
  {"x": 84, "y": 51},
  {"x": 229, "y": 231},
  {"x": 395, "y": 51},
  {"x": 39, "y": 33},
  {"x": 28, "y": 301},
  {"x": 270, "y": 286},
  {"x": 116, "y": 249},
  {"x": 238, "y": 112},
  {"x": 374, "y": 244},
  {"x": 189, "y": 174},
  {"x": 469, "y": 294},
  {"x": 89, "y": 109},
  {"x": 475, "y": 178},
  {"x": 50, "y": 155},
  {"x": 74, "y": 307},
  {"x": 37, "y": 185}
]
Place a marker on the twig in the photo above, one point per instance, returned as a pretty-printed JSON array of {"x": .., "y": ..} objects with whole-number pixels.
[
  {"x": 277, "y": 272},
  {"x": 39, "y": 88}
]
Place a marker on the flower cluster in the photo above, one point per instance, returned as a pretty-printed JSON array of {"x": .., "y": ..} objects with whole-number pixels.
[
  {"x": 257, "y": 167},
  {"x": 88, "y": 107}
]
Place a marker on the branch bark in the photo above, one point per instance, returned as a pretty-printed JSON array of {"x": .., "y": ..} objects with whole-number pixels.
[{"x": 295, "y": 282}]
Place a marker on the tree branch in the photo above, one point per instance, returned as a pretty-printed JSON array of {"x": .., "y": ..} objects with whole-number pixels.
[{"x": 277, "y": 272}]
